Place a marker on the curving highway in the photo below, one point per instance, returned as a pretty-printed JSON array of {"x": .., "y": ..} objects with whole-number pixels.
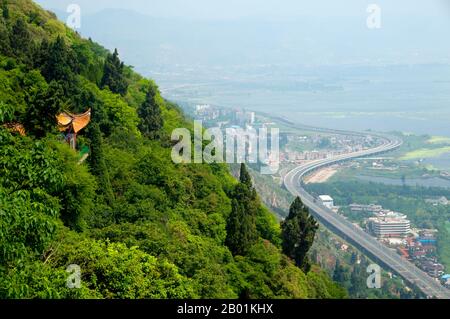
[{"x": 387, "y": 257}]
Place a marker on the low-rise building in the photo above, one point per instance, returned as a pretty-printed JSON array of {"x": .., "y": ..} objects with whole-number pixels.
[
  {"x": 387, "y": 227},
  {"x": 327, "y": 201},
  {"x": 366, "y": 208},
  {"x": 438, "y": 201}
]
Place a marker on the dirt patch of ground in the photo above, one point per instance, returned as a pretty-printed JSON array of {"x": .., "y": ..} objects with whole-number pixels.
[{"x": 321, "y": 176}]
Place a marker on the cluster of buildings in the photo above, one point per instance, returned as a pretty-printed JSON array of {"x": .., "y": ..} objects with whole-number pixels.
[
  {"x": 294, "y": 157},
  {"x": 334, "y": 146},
  {"x": 384, "y": 223},
  {"x": 241, "y": 118},
  {"x": 394, "y": 229},
  {"x": 438, "y": 201},
  {"x": 299, "y": 157},
  {"x": 421, "y": 250},
  {"x": 206, "y": 112},
  {"x": 326, "y": 147}
]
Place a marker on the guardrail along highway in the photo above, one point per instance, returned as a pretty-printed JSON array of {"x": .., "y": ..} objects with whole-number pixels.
[{"x": 383, "y": 255}]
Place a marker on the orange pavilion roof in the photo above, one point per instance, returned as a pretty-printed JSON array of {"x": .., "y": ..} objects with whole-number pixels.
[
  {"x": 15, "y": 127},
  {"x": 76, "y": 122}
]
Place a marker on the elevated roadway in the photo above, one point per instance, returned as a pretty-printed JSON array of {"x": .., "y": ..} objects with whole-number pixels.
[{"x": 383, "y": 255}]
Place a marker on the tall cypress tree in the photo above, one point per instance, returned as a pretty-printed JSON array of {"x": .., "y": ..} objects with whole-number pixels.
[
  {"x": 354, "y": 258},
  {"x": 298, "y": 232},
  {"x": 5, "y": 10},
  {"x": 58, "y": 61},
  {"x": 339, "y": 274},
  {"x": 98, "y": 165},
  {"x": 241, "y": 226},
  {"x": 5, "y": 45},
  {"x": 42, "y": 54},
  {"x": 150, "y": 115},
  {"x": 113, "y": 74},
  {"x": 235, "y": 239},
  {"x": 245, "y": 177},
  {"x": 43, "y": 106},
  {"x": 358, "y": 284},
  {"x": 21, "y": 41}
]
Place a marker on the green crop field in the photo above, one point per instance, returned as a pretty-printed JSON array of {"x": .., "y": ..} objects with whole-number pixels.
[
  {"x": 439, "y": 140},
  {"x": 425, "y": 153}
]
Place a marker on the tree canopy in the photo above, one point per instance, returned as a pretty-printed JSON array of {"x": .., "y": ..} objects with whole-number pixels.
[
  {"x": 241, "y": 226},
  {"x": 150, "y": 114},
  {"x": 113, "y": 74},
  {"x": 137, "y": 224},
  {"x": 298, "y": 231}
]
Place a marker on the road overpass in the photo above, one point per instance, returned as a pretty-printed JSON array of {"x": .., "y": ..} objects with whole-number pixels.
[{"x": 381, "y": 254}]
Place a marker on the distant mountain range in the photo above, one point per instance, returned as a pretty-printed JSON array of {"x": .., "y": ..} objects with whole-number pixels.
[{"x": 146, "y": 41}]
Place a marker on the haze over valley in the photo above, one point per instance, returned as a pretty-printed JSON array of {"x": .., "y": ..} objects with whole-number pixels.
[{"x": 318, "y": 64}]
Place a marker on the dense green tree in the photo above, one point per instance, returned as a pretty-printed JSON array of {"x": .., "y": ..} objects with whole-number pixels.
[
  {"x": 58, "y": 62},
  {"x": 114, "y": 270},
  {"x": 98, "y": 164},
  {"x": 241, "y": 226},
  {"x": 244, "y": 177},
  {"x": 340, "y": 273},
  {"x": 78, "y": 192},
  {"x": 90, "y": 66},
  {"x": 358, "y": 284},
  {"x": 31, "y": 176},
  {"x": 41, "y": 54},
  {"x": 354, "y": 258},
  {"x": 5, "y": 45},
  {"x": 43, "y": 106},
  {"x": 298, "y": 232},
  {"x": 6, "y": 113},
  {"x": 113, "y": 75},
  {"x": 21, "y": 42},
  {"x": 5, "y": 10},
  {"x": 235, "y": 239},
  {"x": 150, "y": 115}
]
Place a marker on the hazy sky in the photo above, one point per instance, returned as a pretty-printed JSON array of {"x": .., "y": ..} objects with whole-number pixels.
[
  {"x": 266, "y": 31},
  {"x": 286, "y": 55},
  {"x": 231, "y": 9}
]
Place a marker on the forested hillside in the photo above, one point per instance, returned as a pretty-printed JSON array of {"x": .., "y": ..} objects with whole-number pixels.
[{"x": 138, "y": 225}]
